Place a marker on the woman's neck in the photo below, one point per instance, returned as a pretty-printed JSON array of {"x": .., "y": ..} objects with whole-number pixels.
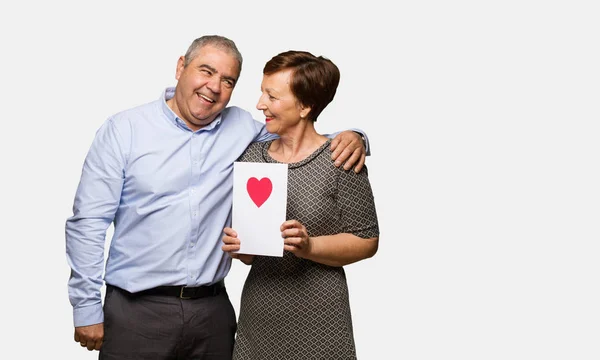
[{"x": 296, "y": 144}]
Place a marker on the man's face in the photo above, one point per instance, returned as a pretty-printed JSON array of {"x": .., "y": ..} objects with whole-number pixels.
[{"x": 204, "y": 86}]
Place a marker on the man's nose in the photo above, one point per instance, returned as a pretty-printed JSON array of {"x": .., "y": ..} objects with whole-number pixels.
[{"x": 214, "y": 84}]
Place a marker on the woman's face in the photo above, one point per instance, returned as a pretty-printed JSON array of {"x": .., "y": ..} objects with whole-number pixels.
[{"x": 278, "y": 104}]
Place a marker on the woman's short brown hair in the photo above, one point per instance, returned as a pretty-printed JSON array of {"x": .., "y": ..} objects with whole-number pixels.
[{"x": 314, "y": 79}]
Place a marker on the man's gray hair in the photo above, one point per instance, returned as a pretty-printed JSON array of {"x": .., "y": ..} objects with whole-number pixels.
[{"x": 220, "y": 42}]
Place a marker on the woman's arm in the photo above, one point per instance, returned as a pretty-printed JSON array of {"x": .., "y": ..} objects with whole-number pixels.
[{"x": 332, "y": 250}]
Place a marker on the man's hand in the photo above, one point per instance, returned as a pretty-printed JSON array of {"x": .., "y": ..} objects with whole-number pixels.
[
  {"x": 348, "y": 149},
  {"x": 90, "y": 337},
  {"x": 231, "y": 243}
]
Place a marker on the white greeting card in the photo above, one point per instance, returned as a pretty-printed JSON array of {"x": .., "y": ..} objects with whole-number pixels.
[{"x": 259, "y": 206}]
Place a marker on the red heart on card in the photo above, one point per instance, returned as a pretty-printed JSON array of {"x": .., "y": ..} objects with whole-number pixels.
[{"x": 259, "y": 190}]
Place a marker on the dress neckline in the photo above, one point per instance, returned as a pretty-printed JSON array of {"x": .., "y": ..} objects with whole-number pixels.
[{"x": 267, "y": 157}]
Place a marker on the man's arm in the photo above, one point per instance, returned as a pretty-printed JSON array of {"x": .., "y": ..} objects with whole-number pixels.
[
  {"x": 96, "y": 202},
  {"x": 349, "y": 147}
]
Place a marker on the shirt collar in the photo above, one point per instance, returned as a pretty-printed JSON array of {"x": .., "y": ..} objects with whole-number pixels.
[{"x": 172, "y": 117}]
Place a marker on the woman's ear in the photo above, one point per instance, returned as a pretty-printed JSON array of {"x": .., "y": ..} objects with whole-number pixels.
[{"x": 304, "y": 111}]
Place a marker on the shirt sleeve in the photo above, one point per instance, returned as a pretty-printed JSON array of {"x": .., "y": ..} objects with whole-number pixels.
[
  {"x": 96, "y": 202},
  {"x": 357, "y": 204}
]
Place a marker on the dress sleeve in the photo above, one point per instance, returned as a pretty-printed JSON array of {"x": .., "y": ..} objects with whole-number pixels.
[{"x": 357, "y": 204}]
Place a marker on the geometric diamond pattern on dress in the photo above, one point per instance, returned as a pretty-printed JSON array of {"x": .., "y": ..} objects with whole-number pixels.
[{"x": 293, "y": 308}]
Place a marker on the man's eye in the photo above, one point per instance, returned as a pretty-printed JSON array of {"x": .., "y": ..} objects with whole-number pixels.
[{"x": 228, "y": 83}]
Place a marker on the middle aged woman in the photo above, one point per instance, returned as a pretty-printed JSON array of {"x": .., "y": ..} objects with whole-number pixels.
[{"x": 297, "y": 306}]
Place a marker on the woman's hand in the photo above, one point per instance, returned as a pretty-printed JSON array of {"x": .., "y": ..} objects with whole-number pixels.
[
  {"x": 295, "y": 238},
  {"x": 231, "y": 244}
]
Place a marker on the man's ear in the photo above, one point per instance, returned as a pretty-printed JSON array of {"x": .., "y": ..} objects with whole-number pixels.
[{"x": 180, "y": 67}]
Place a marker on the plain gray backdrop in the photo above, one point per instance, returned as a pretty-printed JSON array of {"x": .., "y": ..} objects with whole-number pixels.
[{"x": 483, "y": 119}]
